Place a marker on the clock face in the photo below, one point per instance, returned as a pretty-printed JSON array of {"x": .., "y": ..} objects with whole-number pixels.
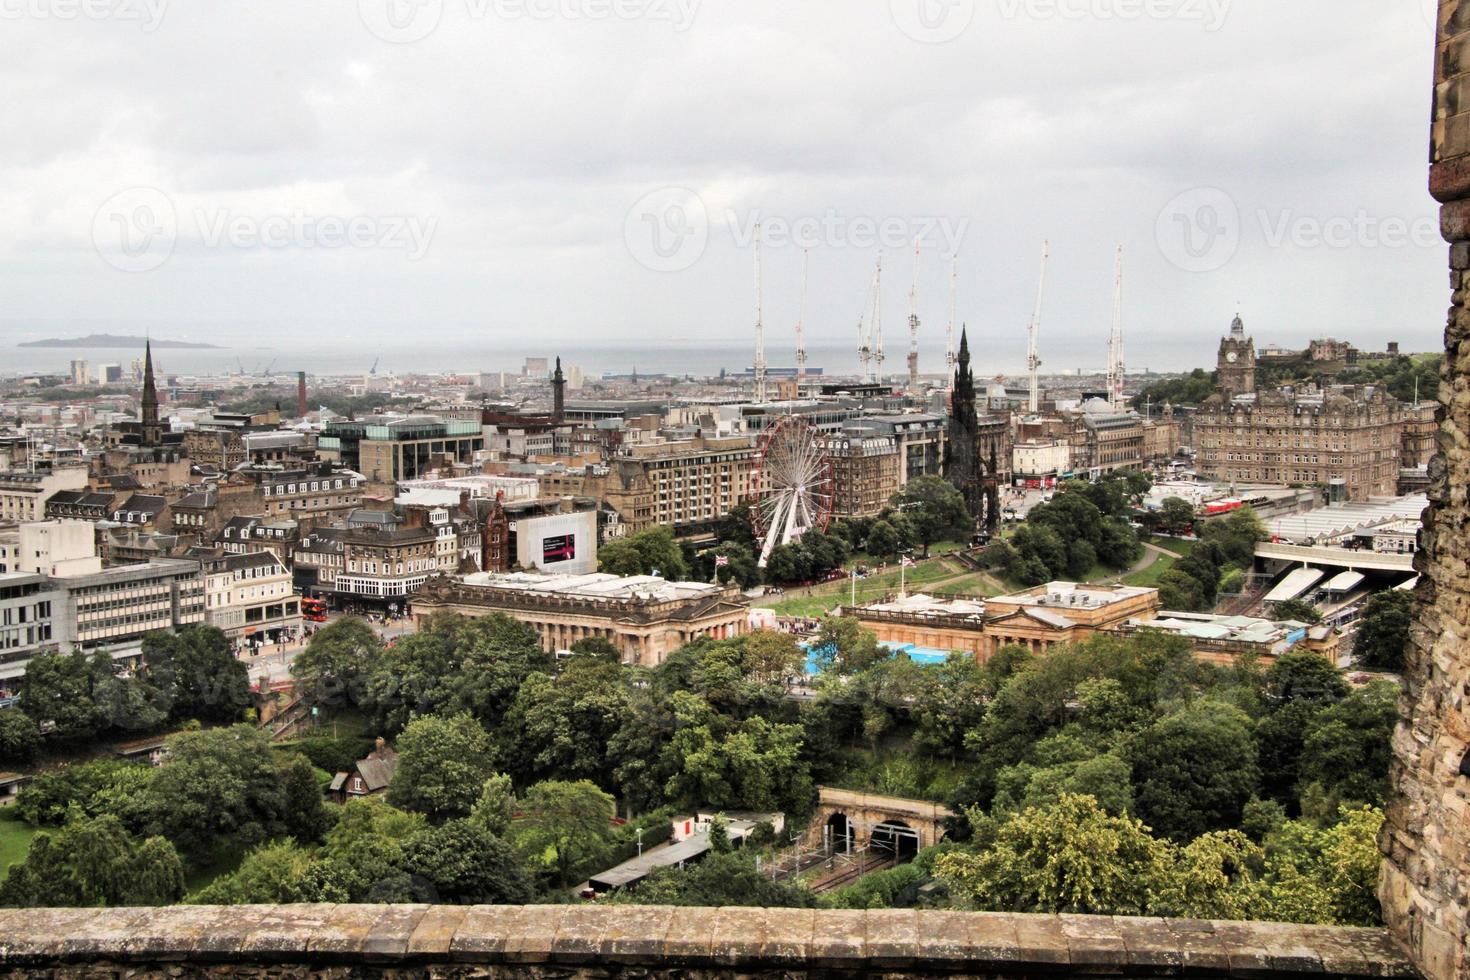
[{"x": 1232, "y": 357}]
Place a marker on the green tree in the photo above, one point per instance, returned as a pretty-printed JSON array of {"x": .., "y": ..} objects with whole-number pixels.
[
  {"x": 335, "y": 665},
  {"x": 467, "y": 865},
  {"x": 718, "y": 881},
  {"x": 272, "y": 874},
  {"x": 770, "y": 656},
  {"x": 646, "y": 553},
  {"x": 496, "y": 806},
  {"x": 1069, "y": 857},
  {"x": 563, "y": 828},
  {"x": 742, "y": 568},
  {"x": 1176, "y": 515},
  {"x": 562, "y": 727},
  {"x": 20, "y": 738},
  {"x": 219, "y": 784},
  {"x": 197, "y": 674},
  {"x": 83, "y": 696},
  {"x": 442, "y": 766},
  {"x": 94, "y": 788},
  {"x": 94, "y": 861},
  {"x": 934, "y": 509},
  {"x": 1234, "y": 536},
  {"x": 951, "y": 704},
  {"x": 1194, "y": 770},
  {"x": 1298, "y": 610},
  {"x": 1347, "y": 746},
  {"x": 883, "y": 540},
  {"x": 1383, "y": 631},
  {"x": 303, "y": 816}
]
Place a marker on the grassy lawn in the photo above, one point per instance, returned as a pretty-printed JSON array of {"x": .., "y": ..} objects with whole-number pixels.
[
  {"x": 797, "y": 603},
  {"x": 1149, "y": 577},
  {"x": 15, "y": 838},
  {"x": 1179, "y": 547}
]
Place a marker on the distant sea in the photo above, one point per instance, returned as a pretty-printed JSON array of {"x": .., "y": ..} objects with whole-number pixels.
[{"x": 698, "y": 360}]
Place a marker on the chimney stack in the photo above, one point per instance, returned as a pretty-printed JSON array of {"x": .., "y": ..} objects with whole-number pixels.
[{"x": 301, "y": 394}]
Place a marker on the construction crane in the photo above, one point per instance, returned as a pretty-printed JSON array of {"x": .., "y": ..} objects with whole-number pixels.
[
  {"x": 914, "y": 324},
  {"x": 806, "y": 256},
  {"x": 1116, "y": 369},
  {"x": 760, "y": 325},
  {"x": 374, "y": 370},
  {"x": 1033, "y": 362},
  {"x": 870, "y": 349},
  {"x": 949, "y": 355}
]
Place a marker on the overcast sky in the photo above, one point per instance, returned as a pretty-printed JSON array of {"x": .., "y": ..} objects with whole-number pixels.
[{"x": 488, "y": 171}]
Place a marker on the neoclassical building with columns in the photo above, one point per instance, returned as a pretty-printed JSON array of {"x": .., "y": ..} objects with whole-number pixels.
[{"x": 645, "y": 617}]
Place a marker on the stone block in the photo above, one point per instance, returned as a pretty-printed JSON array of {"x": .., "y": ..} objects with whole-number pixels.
[
  {"x": 635, "y": 934},
  {"x": 393, "y": 931},
  {"x": 480, "y": 937},
  {"x": 994, "y": 938},
  {"x": 280, "y": 932},
  {"x": 434, "y": 934},
  {"x": 531, "y": 933},
  {"x": 789, "y": 937},
  {"x": 840, "y": 939},
  {"x": 39, "y": 935},
  {"x": 343, "y": 932},
  {"x": 1199, "y": 952},
  {"x": 691, "y": 934},
  {"x": 1150, "y": 944},
  {"x": 579, "y": 934},
  {"x": 739, "y": 934},
  {"x": 1040, "y": 939},
  {"x": 893, "y": 938},
  {"x": 1093, "y": 942}
]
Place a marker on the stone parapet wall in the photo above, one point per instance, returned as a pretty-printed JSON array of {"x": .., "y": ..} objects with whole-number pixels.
[
  {"x": 1425, "y": 887},
  {"x": 626, "y": 941}
]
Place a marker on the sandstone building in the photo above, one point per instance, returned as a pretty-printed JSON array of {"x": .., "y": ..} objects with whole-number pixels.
[{"x": 1346, "y": 438}]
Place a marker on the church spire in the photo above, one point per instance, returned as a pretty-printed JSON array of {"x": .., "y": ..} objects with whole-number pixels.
[{"x": 151, "y": 433}]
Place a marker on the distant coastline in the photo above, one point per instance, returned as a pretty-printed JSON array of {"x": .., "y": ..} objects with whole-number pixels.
[{"x": 104, "y": 341}]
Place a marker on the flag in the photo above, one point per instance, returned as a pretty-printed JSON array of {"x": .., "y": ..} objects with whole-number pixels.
[
  {"x": 721, "y": 561},
  {"x": 908, "y": 562}
]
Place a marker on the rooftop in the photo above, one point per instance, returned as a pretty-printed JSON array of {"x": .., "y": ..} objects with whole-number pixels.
[
  {"x": 1070, "y": 595},
  {"x": 593, "y": 586}
]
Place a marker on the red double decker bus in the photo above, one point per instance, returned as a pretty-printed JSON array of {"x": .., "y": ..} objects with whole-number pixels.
[{"x": 314, "y": 610}]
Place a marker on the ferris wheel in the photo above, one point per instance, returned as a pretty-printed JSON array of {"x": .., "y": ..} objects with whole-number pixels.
[{"x": 792, "y": 484}]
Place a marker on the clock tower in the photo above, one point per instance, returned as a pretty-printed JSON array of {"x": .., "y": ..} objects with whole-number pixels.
[{"x": 1237, "y": 363}]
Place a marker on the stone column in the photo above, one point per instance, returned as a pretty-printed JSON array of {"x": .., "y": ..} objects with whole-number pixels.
[{"x": 1425, "y": 886}]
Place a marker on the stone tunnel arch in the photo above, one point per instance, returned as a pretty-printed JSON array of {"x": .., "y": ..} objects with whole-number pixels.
[
  {"x": 839, "y": 835},
  {"x": 895, "y": 839}
]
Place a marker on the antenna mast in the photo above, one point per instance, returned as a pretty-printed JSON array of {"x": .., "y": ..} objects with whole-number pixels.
[
  {"x": 877, "y": 325},
  {"x": 1032, "y": 360},
  {"x": 914, "y": 325},
  {"x": 806, "y": 256},
  {"x": 949, "y": 355},
  {"x": 1115, "y": 342},
  {"x": 760, "y": 325}
]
